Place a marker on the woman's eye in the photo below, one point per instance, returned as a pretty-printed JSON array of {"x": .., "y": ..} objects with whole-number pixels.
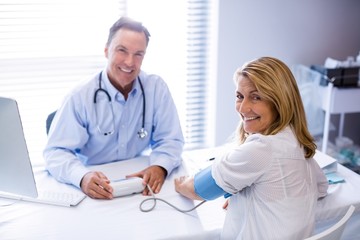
[
  {"x": 256, "y": 97},
  {"x": 238, "y": 96}
]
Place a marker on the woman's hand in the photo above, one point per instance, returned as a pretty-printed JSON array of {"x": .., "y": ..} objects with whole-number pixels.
[{"x": 185, "y": 186}]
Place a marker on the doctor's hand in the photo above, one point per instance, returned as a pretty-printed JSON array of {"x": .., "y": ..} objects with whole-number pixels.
[
  {"x": 154, "y": 176},
  {"x": 96, "y": 185}
]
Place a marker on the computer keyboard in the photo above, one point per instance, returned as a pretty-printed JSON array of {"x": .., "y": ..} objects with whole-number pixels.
[{"x": 58, "y": 198}]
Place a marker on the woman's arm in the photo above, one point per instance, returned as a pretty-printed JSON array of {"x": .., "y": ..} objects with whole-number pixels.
[{"x": 322, "y": 182}]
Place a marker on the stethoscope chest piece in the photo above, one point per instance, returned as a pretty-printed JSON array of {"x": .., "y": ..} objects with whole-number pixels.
[{"x": 142, "y": 133}]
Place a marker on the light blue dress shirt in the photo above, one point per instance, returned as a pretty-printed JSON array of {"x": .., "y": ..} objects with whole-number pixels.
[{"x": 76, "y": 137}]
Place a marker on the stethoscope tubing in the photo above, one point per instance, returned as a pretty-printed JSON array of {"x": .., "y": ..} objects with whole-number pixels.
[{"x": 142, "y": 132}]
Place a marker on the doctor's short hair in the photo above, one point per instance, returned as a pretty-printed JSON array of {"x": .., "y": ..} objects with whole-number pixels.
[
  {"x": 128, "y": 23},
  {"x": 276, "y": 84}
]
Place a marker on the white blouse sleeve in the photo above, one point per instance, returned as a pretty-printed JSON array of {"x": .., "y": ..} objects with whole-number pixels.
[{"x": 242, "y": 166}]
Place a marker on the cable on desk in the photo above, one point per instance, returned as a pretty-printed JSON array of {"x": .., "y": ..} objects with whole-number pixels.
[{"x": 155, "y": 199}]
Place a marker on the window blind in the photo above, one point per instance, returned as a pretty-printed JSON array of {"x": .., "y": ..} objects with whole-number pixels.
[{"x": 198, "y": 102}]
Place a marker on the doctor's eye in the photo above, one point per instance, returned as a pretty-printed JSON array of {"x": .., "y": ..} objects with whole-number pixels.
[
  {"x": 140, "y": 55},
  {"x": 121, "y": 50}
]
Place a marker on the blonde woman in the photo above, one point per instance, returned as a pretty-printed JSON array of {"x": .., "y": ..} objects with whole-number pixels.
[{"x": 272, "y": 179}]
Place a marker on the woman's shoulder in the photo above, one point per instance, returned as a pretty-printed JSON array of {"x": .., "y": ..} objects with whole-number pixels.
[
  {"x": 285, "y": 134},
  {"x": 284, "y": 140},
  {"x": 255, "y": 144},
  {"x": 285, "y": 143}
]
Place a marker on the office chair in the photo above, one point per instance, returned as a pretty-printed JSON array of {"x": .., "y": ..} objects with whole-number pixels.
[
  {"x": 49, "y": 121},
  {"x": 334, "y": 232}
]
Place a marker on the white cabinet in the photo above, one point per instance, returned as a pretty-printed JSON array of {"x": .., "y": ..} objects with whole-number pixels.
[{"x": 338, "y": 101}]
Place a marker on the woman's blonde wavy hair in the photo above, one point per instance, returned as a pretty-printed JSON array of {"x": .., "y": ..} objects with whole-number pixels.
[{"x": 276, "y": 84}]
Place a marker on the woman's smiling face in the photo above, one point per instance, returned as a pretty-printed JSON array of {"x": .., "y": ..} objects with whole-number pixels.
[{"x": 257, "y": 113}]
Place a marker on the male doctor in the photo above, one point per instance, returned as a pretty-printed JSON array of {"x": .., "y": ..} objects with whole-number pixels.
[{"x": 118, "y": 114}]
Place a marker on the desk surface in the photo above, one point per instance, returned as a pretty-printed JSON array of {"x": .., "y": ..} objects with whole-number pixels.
[{"x": 121, "y": 218}]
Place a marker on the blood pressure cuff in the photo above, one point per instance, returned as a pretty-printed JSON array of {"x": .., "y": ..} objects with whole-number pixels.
[{"x": 205, "y": 185}]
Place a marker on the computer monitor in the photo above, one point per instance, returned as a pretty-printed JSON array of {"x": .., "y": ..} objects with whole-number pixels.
[{"x": 16, "y": 174}]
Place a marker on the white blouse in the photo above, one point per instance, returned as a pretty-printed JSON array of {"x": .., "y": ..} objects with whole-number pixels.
[{"x": 275, "y": 189}]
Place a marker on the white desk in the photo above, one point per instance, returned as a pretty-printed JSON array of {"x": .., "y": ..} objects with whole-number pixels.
[
  {"x": 121, "y": 218},
  {"x": 338, "y": 101}
]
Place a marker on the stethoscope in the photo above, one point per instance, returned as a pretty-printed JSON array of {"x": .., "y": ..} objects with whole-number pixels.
[{"x": 142, "y": 133}]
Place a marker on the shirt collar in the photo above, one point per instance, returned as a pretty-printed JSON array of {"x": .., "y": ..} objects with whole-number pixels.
[{"x": 113, "y": 92}]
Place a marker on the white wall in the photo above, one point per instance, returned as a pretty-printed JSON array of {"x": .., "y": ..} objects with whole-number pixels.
[{"x": 297, "y": 32}]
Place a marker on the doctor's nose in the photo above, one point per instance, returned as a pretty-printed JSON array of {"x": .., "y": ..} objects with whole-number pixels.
[{"x": 129, "y": 60}]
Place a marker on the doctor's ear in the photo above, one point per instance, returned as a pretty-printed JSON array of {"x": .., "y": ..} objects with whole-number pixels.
[{"x": 106, "y": 51}]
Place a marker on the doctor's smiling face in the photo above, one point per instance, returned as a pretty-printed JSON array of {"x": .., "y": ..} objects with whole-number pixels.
[
  {"x": 256, "y": 112},
  {"x": 125, "y": 53}
]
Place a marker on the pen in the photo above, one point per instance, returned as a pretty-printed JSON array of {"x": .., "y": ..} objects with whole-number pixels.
[{"x": 100, "y": 186}]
